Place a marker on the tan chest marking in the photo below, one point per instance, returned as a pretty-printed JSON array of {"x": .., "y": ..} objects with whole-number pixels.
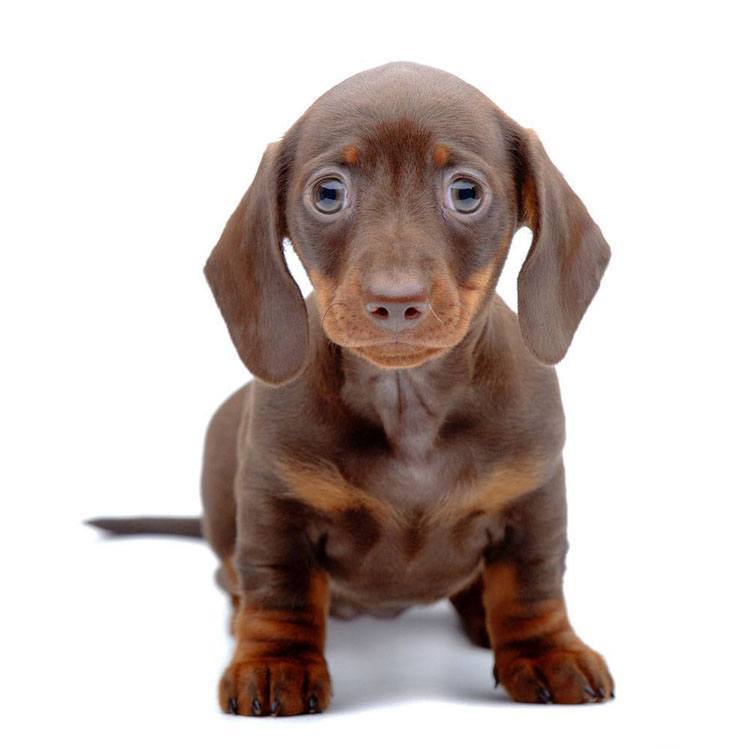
[
  {"x": 505, "y": 483},
  {"x": 323, "y": 487}
]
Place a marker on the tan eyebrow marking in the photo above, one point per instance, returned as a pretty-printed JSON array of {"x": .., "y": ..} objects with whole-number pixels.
[
  {"x": 350, "y": 155},
  {"x": 440, "y": 155}
]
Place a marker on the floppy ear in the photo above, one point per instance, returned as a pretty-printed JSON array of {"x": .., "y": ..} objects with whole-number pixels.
[
  {"x": 567, "y": 257},
  {"x": 256, "y": 294}
]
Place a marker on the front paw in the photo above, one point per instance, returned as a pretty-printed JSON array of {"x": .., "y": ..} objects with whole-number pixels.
[
  {"x": 562, "y": 675},
  {"x": 275, "y": 686}
]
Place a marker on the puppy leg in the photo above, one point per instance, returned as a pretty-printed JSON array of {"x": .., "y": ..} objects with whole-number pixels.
[
  {"x": 469, "y": 605},
  {"x": 220, "y": 462},
  {"x": 537, "y": 655},
  {"x": 278, "y": 665}
]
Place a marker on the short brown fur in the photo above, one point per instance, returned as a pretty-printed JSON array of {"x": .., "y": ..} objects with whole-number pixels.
[{"x": 371, "y": 466}]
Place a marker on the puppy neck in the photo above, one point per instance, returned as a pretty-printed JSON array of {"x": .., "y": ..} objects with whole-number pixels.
[{"x": 411, "y": 404}]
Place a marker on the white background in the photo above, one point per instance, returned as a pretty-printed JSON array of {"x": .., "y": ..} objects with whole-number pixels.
[{"x": 129, "y": 132}]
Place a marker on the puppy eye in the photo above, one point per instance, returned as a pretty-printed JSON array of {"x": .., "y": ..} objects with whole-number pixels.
[
  {"x": 329, "y": 195},
  {"x": 463, "y": 195}
]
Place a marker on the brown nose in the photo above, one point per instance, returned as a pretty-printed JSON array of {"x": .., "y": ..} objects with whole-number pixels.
[{"x": 396, "y": 311}]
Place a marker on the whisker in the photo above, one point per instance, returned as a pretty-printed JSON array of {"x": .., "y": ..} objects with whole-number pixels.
[
  {"x": 434, "y": 313},
  {"x": 329, "y": 307}
]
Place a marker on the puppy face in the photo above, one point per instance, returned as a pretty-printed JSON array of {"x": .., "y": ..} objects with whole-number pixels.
[
  {"x": 402, "y": 221},
  {"x": 400, "y": 190}
]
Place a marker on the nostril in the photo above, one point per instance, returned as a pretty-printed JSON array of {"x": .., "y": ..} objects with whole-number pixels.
[
  {"x": 412, "y": 313},
  {"x": 379, "y": 312}
]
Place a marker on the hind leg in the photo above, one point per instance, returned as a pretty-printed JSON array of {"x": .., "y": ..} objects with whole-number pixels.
[
  {"x": 220, "y": 462},
  {"x": 470, "y": 608}
]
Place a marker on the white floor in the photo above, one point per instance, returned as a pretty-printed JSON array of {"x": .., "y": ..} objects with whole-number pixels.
[{"x": 129, "y": 637}]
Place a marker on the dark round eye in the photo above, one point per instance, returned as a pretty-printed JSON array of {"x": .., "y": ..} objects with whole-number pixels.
[
  {"x": 464, "y": 196},
  {"x": 329, "y": 195}
]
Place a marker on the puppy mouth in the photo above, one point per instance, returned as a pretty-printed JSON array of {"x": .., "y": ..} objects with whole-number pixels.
[
  {"x": 398, "y": 354},
  {"x": 396, "y": 351}
]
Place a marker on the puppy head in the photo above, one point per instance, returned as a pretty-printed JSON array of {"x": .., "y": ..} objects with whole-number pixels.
[{"x": 400, "y": 190}]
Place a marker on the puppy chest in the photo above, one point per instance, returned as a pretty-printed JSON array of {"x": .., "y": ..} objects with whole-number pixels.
[
  {"x": 417, "y": 558},
  {"x": 410, "y": 534}
]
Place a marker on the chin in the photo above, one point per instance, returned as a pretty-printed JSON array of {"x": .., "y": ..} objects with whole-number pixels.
[{"x": 398, "y": 356}]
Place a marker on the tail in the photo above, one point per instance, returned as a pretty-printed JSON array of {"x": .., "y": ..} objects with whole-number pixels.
[{"x": 158, "y": 526}]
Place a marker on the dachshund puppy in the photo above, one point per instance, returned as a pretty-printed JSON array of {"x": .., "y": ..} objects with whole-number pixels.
[{"x": 401, "y": 441}]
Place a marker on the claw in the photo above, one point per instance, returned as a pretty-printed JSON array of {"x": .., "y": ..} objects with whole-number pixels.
[
  {"x": 590, "y": 692},
  {"x": 233, "y": 706},
  {"x": 601, "y": 693},
  {"x": 275, "y": 707},
  {"x": 613, "y": 696},
  {"x": 544, "y": 696},
  {"x": 256, "y": 706},
  {"x": 313, "y": 704}
]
